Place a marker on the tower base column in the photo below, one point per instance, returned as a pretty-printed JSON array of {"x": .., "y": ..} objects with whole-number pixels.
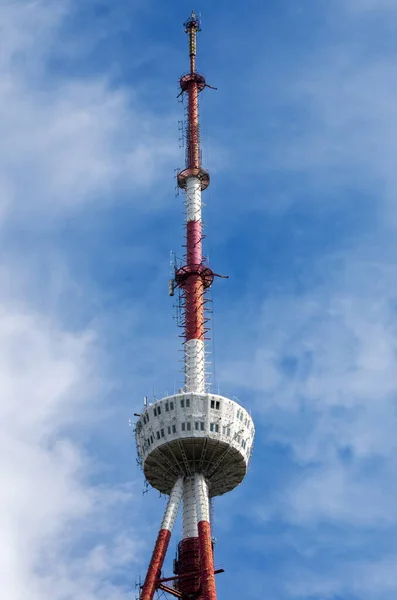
[
  {"x": 205, "y": 542},
  {"x": 188, "y": 563},
  {"x": 163, "y": 539}
]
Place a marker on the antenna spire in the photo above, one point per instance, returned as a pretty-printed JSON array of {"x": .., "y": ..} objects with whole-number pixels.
[
  {"x": 192, "y": 26},
  {"x": 194, "y": 277}
]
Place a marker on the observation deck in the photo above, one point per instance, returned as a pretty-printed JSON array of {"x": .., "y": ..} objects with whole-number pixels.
[{"x": 189, "y": 433}]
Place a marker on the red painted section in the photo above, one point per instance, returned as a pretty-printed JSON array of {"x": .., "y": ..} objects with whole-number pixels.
[
  {"x": 194, "y": 243},
  {"x": 155, "y": 566},
  {"x": 188, "y": 566},
  {"x": 194, "y": 287},
  {"x": 194, "y": 308},
  {"x": 207, "y": 561},
  {"x": 193, "y": 161}
]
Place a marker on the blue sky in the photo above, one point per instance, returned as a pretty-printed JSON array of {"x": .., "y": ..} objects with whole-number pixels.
[{"x": 301, "y": 212}]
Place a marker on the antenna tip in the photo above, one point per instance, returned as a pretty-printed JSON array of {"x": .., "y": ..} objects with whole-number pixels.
[{"x": 193, "y": 22}]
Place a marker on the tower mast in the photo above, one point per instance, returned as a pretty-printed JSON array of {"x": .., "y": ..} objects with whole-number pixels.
[
  {"x": 194, "y": 278},
  {"x": 193, "y": 445}
]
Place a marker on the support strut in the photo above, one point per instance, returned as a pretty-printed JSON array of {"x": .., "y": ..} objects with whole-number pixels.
[
  {"x": 204, "y": 534},
  {"x": 163, "y": 539}
]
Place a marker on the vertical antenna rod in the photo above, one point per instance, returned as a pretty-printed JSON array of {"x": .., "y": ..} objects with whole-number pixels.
[
  {"x": 194, "y": 278},
  {"x": 192, "y": 26}
]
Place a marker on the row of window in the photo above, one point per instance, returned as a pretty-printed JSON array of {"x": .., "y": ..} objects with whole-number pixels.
[
  {"x": 240, "y": 415},
  {"x": 169, "y": 405},
  {"x": 185, "y": 402},
  {"x": 199, "y": 426},
  {"x": 160, "y": 434},
  {"x": 185, "y": 426},
  {"x": 240, "y": 440}
]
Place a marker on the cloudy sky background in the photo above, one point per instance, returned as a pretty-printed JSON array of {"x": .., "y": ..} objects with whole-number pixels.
[{"x": 301, "y": 145}]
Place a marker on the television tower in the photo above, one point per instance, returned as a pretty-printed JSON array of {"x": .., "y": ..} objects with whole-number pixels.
[{"x": 193, "y": 445}]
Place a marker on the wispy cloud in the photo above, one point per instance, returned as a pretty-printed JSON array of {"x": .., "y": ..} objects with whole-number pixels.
[
  {"x": 67, "y": 141},
  {"x": 348, "y": 129},
  {"x": 47, "y": 502},
  {"x": 322, "y": 371}
]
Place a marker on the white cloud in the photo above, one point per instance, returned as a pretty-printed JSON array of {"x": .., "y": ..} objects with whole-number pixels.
[
  {"x": 323, "y": 368},
  {"x": 336, "y": 117},
  {"x": 65, "y": 141},
  {"x": 322, "y": 379},
  {"x": 326, "y": 372},
  {"x": 369, "y": 579},
  {"x": 333, "y": 352},
  {"x": 347, "y": 137},
  {"x": 46, "y": 499}
]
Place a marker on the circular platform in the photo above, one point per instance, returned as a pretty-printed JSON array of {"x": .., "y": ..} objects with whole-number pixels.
[
  {"x": 201, "y": 173},
  {"x": 198, "y": 79},
  {"x": 192, "y": 433}
]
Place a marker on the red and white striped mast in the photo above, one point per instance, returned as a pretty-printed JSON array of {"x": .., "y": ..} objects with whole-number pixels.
[
  {"x": 195, "y": 277},
  {"x": 193, "y": 445}
]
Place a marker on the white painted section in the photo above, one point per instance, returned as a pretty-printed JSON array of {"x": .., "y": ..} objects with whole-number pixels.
[
  {"x": 171, "y": 512},
  {"x": 195, "y": 366},
  {"x": 189, "y": 509},
  {"x": 193, "y": 199},
  {"x": 194, "y": 415},
  {"x": 202, "y": 498}
]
